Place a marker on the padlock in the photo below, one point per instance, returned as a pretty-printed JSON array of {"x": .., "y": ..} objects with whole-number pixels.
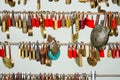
[
  {"x": 38, "y": 4},
  {"x": 63, "y": 20},
  {"x": 82, "y": 22},
  {"x": 24, "y": 28},
  {"x": 56, "y": 0},
  {"x": 43, "y": 54},
  {"x": 55, "y": 47},
  {"x": 19, "y": 21},
  {"x": 59, "y": 21},
  {"x": 4, "y": 24},
  {"x": 6, "y": 1},
  {"x": 46, "y": 21},
  {"x": 2, "y": 51},
  {"x": 68, "y": 22},
  {"x": 13, "y": 19},
  {"x": 25, "y": 2},
  {"x": 109, "y": 52},
  {"x": 70, "y": 53},
  {"x": 19, "y": 2},
  {"x": 77, "y": 23},
  {"x": 113, "y": 51},
  {"x": 83, "y": 1},
  {"x": 37, "y": 22},
  {"x": 118, "y": 2},
  {"x": 9, "y": 21},
  {"x": 32, "y": 20},
  {"x": 102, "y": 54},
  {"x": 68, "y": 1},
  {"x": 55, "y": 23},
  {"x": 114, "y": 1},
  {"x": 117, "y": 50},
  {"x": 20, "y": 49}
]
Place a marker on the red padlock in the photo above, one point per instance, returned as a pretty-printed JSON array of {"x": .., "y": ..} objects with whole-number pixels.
[
  {"x": 59, "y": 21},
  {"x": 37, "y": 21},
  {"x": 114, "y": 22},
  {"x": 117, "y": 51},
  {"x": 101, "y": 51},
  {"x": 89, "y": 22},
  {"x": 113, "y": 52},
  {"x": 51, "y": 24},
  {"x": 32, "y": 21},
  {"x": 70, "y": 53},
  {"x": 9, "y": 21},
  {"x": 82, "y": 22},
  {"x": 74, "y": 51},
  {"x": 2, "y": 52},
  {"x": 46, "y": 21}
]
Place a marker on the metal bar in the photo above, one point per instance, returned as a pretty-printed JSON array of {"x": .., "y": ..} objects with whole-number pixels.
[
  {"x": 62, "y": 44},
  {"x": 50, "y": 12}
]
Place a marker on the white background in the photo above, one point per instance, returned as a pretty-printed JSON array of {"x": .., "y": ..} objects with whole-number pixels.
[{"x": 63, "y": 64}]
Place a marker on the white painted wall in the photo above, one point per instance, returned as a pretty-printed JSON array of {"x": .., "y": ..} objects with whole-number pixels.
[{"x": 63, "y": 64}]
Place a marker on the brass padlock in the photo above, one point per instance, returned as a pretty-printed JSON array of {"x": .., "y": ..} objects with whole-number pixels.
[
  {"x": 83, "y": 1},
  {"x": 13, "y": 19},
  {"x": 77, "y": 23},
  {"x": 63, "y": 20},
  {"x": 118, "y": 21},
  {"x": 55, "y": 47},
  {"x": 114, "y": 1},
  {"x": 38, "y": 4},
  {"x": 4, "y": 24},
  {"x": 20, "y": 50},
  {"x": 97, "y": 55},
  {"x": 68, "y": 22},
  {"x": 19, "y": 2},
  {"x": 56, "y": 0},
  {"x": 109, "y": 52},
  {"x": 0, "y": 21},
  {"x": 19, "y": 21},
  {"x": 6, "y": 1},
  {"x": 118, "y": 2},
  {"x": 24, "y": 28},
  {"x": 25, "y": 2},
  {"x": 68, "y": 1},
  {"x": 23, "y": 51},
  {"x": 55, "y": 23}
]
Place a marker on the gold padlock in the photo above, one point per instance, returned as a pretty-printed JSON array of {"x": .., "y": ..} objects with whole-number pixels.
[
  {"x": 38, "y": 4},
  {"x": 24, "y": 28},
  {"x": 68, "y": 22},
  {"x": 55, "y": 23},
  {"x": 4, "y": 24},
  {"x": 77, "y": 23},
  {"x": 25, "y": 2},
  {"x": 83, "y": 1},
  {"x": 68, "y": 1}
]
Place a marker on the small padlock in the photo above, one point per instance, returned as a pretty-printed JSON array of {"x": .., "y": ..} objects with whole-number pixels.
[
  {"x": 113, "y": 52},
  {"x": 0, "y": 21},
  {"x": 6, "y": 1},
  {"x": 117, "y": 51},
  {"x": 83, "y": 1},
  {"x": 32, "y": 20},
  {"x": 20, "y": 50},
  {"x": 13, "y": 19},
  {"x": 55, "y": 47},
  {"x": 77, "y": 23},
  {"x": 70, "y": 53},
  {"x": 38, "y": 4},
  {"x": 30, "y": 51},
  {"x": 55, "y": 23},
  {"x": 37, "y": 21},
  {"x": 118, "y": 23},
  {"x": 34, "y": 51},
  {"x": 109, "y": 52},
  {"x": 19, "y": 21},
  {"x": 59, "y": 21},
  {"x": 114, "y": 1},
  {"x": 97, "y": 55},
  {"x": 68, "y": 1},
  {"x": 19, "y": 2},
  {"x": 25, "y": 2},
  {"x": 24, "y": 28},
  {"x": 4, "y": 24},
  {"x": 68, "y": 22},
  {"x": 56, "y": 0},
  {"x": 63, "y": 20},
  {"x": 23, "y": 51},
  {"x": 37, "y": 51},
  {"x": 42, "y": 54},
  {"x": 118, "y": 2}
]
